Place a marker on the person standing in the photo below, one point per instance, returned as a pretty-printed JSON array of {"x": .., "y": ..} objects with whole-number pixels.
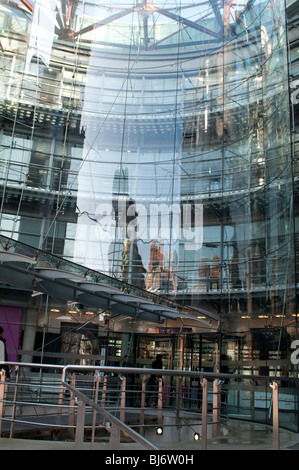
[
  {"x": 3, "y": 355},
  {"x": 153, "y": 382}
]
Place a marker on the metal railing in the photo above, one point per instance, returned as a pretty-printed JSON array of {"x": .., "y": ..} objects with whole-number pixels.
[{"x": 84, "y": 403}]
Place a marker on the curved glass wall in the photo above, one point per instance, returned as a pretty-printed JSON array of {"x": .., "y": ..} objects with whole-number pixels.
[{"x": 151, "y": 141}]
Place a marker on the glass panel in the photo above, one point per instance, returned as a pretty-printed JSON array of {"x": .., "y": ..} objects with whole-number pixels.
[{"x": 151, "y": 143}]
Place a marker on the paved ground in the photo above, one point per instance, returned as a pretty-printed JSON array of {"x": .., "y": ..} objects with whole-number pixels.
[{"x": 240, "y": 436}]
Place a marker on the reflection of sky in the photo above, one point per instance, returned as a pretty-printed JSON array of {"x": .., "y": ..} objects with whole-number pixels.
[
  {"x": 42, "y": 31},
  {"x": 149, "y": 176}
]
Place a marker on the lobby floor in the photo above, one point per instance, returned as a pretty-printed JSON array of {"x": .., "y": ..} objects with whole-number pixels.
[{"x": 240, "y": 436}]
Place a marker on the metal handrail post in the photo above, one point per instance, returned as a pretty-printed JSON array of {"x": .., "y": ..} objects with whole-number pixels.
[
  {"x": 60, "y": 399},
  {"x": 178, "y": 398},
  {"x": 216, "y": 407},
  {"x": 204, "y": 417},
  {"x": 79, "y": 438},
  {"x": 275, "y": 402},
  {"x": 123, "y": 398},
  {"x": 142, "y": 404},
  {"x": 104, "y": 391},
  {"x": 114, "y": 437},
  {"x": 95, "y": 398},
  {"x": 160, "y": 400},
  {"x": 14, "y": 406},
  {"x": 71, "y": 419},
  {"x": 3, "y": 387}
]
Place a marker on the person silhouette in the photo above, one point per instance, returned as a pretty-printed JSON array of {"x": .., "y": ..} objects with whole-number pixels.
[
  {"x": 3, "y": 355},
  {"x": 153, "y": 382}
]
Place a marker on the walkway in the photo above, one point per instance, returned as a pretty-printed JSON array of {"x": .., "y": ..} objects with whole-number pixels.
[{"x": 240, "y": 436}]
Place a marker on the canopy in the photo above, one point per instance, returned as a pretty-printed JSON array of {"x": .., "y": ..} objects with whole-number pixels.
[{"x": 27, "y": 273}]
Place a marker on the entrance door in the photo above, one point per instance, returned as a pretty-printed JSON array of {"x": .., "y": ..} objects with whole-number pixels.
[{"x": 149, "y": 346}]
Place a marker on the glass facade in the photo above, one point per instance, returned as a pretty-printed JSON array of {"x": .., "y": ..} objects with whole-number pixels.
[{"x": 151, "y": 142}]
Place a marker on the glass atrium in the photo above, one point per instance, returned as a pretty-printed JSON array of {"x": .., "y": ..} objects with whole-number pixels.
[{"x": 151, "y": 142}]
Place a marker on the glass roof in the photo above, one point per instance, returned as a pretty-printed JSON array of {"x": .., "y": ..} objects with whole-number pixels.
[{"x": 140, "y": 24}]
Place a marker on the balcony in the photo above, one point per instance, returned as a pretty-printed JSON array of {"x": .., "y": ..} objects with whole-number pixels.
[{"x": 113, "y": 408}]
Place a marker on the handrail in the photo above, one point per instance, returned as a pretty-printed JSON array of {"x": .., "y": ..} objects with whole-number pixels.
[
  {"x": 112, "y": 419},
  {"x": 149, "y": 371},
  {"x": 118, "y": 425},
  {"x": 169, "y": 372}
]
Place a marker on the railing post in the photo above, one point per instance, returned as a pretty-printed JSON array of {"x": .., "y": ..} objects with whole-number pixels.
[
  {"x": 13, "y": 414},
  {"x": 178, "y": 399},
  {"x": 204, "y": 417},
  {"x": 275, "y": 404},
  {"x": 252, "y": 402},
  {"x": 216, "y": 407},
  {"x": 72, "y": 407},
  {"x": 80, "y": 425},
  {"x": 160, "y": 400},
  {"x": 114, "y": 437},
  {"x": 60, "y": 398},
  {"x": 142, "y": 404},
  {"x": 3, "y": 387},
  {"x": 95, "y": 399},
  {"x": 123, "y": 399},
  {"x": 104, "y": 391}
]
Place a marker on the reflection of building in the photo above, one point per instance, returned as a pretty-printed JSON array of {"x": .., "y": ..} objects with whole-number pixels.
[
  {"x": 151, "y": 106},
  {"x": 162, "y": 270},
  {"x": 132, "y": 267},
  {"x": 153, "y": 281}
]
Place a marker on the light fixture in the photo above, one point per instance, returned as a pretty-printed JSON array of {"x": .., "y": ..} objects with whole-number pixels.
[
  {"x": 159, "y": 431},
  {"x": 55, "y": 310},
  {"x": 196, "y": 436},
  {"x": 36, "y": 293},
  {"x": 261, "y": 181}
]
